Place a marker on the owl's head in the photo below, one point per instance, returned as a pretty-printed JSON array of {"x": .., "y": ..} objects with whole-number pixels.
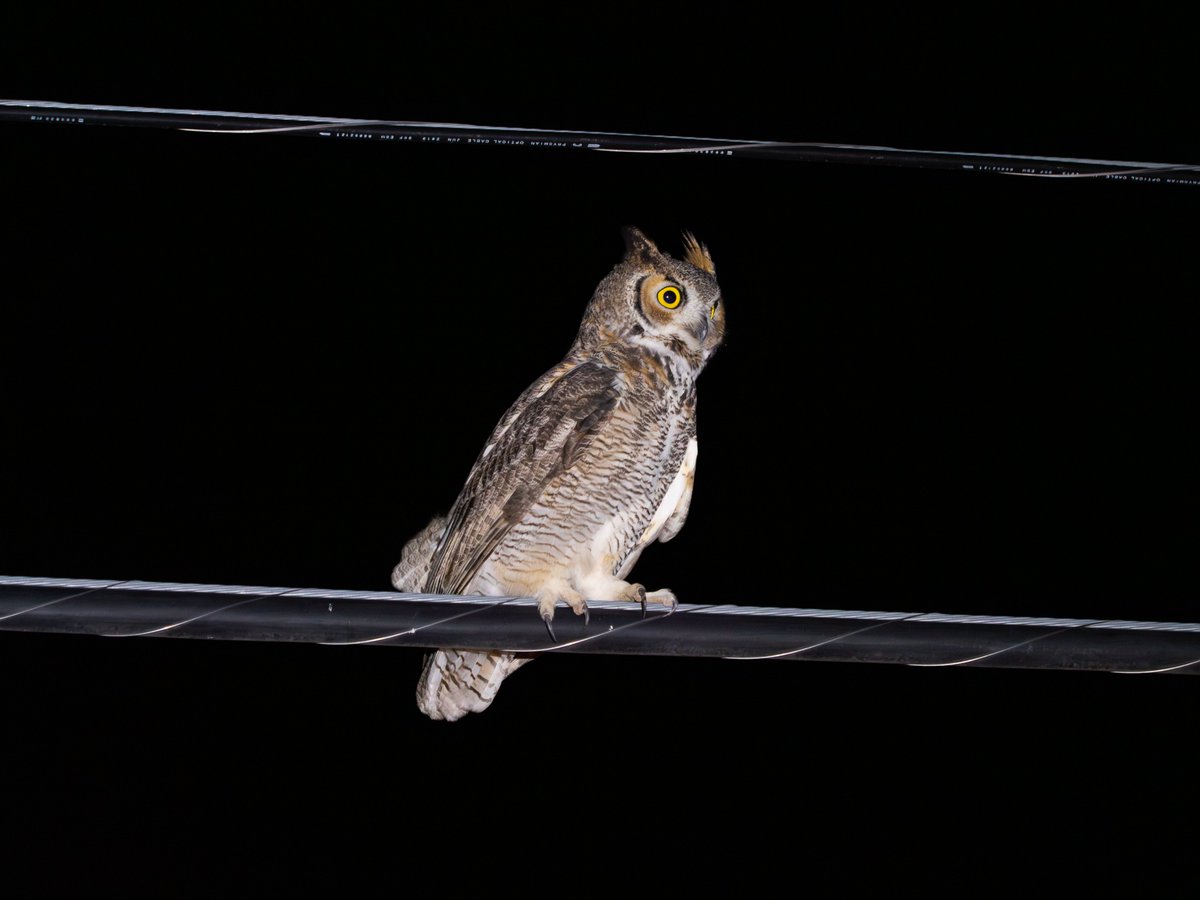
[{"x": 654, "y": 301}]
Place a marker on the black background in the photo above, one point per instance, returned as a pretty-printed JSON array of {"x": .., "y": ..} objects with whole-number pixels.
[{"x": 268, "y": 360}]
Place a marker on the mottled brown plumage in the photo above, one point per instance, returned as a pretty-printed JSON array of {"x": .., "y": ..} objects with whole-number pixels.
[{"x": 592, "y": 463}]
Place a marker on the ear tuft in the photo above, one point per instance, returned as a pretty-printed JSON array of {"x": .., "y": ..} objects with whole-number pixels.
[
  {"x": 696, "y": 254},
  {"x": 637, "y": 244}
]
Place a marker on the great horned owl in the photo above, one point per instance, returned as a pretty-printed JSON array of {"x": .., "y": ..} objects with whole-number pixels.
[{"x": 590, "y": 465}]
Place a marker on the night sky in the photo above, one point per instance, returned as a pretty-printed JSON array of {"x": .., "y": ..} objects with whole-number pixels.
[{"x": 269, "y": 360}]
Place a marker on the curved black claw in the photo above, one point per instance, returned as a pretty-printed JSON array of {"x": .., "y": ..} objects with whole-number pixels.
[
  {"x": 587, "y": 617},
  {"x": 642, "y": 594},
  {"x": 549, "y": 628}
]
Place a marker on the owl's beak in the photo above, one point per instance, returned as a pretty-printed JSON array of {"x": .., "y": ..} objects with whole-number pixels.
[{"x": 702, "y": 330}]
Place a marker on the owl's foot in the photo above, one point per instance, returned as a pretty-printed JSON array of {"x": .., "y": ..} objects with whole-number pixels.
[
  {"x": 548, "y": 598},
  {"x": 662, "y": 598},
  {"x": 635, "y": 593},
  {"x": 549, "y": 628},
  {"x": 640, "y": 593}
]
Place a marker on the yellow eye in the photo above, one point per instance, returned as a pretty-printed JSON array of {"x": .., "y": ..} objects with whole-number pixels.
[{"x": 670, "y": 296}]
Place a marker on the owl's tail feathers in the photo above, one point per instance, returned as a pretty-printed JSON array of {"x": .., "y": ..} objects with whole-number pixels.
[
  {"x": 456, "y": 682},
  {"x": 453, "y": 682}
]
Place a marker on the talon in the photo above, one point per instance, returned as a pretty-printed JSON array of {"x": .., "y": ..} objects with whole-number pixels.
[
  {"x": 587, "y": 617},
  {"x": 550, "y": 628},
  {"x": 642, "y": 597}
]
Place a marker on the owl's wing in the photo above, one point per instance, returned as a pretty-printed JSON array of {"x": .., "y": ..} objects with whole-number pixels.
[
  {"x": 545, "y": 434},
  {"x": 412, "y": 571}
]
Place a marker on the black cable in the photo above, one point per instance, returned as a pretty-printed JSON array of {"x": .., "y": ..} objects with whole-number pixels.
[
  {"x": 451, "y": 134},
  {"x": 151, "y": 609}
]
